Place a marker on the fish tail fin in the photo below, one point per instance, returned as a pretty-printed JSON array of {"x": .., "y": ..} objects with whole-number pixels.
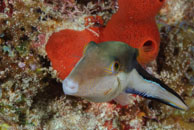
[{"x": 145, "y": 85}]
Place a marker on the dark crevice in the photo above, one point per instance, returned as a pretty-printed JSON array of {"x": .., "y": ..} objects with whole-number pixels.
[
  {"x": 148, "y": 46},
  {"x": 85, "y": 2},
  {"x": 44, "y": 61},
  {"x": 7, "y": 35},
  {"x": 24, "y": 38},
  {"x": 161, "y": 58},
  {"x": 50, "y": 92}
]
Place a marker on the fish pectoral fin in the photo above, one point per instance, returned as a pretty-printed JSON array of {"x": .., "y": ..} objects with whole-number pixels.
[
  {"x": 125, "y": 99},
  {"x": 145, "y": 85}
]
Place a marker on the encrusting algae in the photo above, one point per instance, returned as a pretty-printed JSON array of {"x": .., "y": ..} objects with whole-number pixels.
[{"x": 31, "y": 93}]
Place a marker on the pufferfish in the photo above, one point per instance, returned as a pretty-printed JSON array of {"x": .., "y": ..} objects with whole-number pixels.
[{"x": 110, "y": 70}]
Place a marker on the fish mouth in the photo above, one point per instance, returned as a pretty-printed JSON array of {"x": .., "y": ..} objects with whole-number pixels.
[
  {"x": 70, "y": 87},
  {"x": 107, "y": 95},
  {"x": 114, "y": 92}
]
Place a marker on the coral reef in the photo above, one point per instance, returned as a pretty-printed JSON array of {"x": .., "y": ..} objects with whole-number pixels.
[{"x": 31, "y": 96}]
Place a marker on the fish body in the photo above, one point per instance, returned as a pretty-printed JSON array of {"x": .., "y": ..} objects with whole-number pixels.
[{"x": 109, "y": 69}]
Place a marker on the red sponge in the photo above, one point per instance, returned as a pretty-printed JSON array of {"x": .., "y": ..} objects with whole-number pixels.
[
  {"x": 139, "y": 9},
  {"x": 134, "y": 24},
  {"x": 65, "y": 48}
]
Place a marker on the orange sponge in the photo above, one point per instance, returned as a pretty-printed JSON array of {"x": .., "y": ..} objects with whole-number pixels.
[
  {"x": 137, "y": 10},
  {"x": 65, "y": 48},
  {"x": 134, "y": 24}
]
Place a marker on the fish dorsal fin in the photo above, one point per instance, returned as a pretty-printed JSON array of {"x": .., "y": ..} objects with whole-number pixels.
[{"x": 89, "y": 46}]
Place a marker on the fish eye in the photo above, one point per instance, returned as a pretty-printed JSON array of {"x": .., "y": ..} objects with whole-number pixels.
[{"x": 115, "y": 66}]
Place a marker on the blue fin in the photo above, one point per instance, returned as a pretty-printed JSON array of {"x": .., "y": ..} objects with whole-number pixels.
[{"x": 142, "y": 94}]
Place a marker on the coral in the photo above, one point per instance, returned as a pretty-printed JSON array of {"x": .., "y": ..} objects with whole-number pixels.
[
  {"x": 31, "y": 95},
  {"x": 6, "y": 7},
  {"x": 173, "y": 18},
  {"x": 126, "y": 25}
]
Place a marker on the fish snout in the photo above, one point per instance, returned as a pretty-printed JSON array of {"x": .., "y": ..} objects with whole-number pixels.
[{"x": 70, "y": 87}]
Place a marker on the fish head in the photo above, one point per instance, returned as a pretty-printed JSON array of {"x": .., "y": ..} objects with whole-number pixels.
[{"x": 100, "y": 74}]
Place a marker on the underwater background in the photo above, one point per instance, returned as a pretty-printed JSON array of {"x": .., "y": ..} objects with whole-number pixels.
[{"x": 31, "y": 96}]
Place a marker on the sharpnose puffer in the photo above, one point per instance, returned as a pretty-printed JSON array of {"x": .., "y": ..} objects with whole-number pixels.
[{"x": 110, "y": 70}]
